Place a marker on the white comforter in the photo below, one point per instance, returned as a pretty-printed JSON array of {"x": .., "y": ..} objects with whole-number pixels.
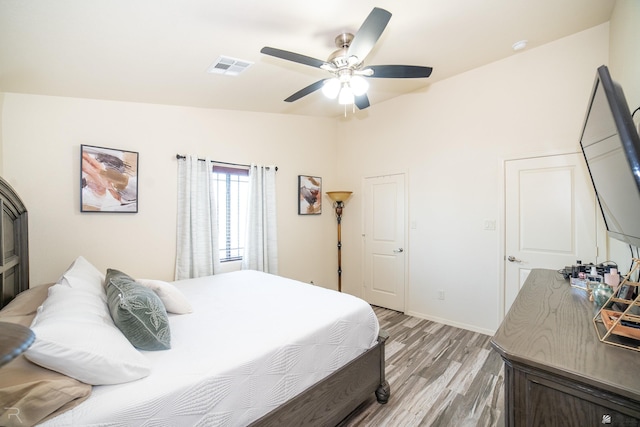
[{"x": 253, "y": 341}]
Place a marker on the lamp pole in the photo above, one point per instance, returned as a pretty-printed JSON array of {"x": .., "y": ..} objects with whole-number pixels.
[
  {"x": 339, "y": 205},
  {"x": 339, "y": 197}
]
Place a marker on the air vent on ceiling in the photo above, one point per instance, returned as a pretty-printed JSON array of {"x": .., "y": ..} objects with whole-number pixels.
[{"x": 229, "y": 66}]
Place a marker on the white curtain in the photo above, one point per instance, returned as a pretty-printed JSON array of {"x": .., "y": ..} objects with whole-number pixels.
[
  {"x": 197, "y": 252},
  {"x": 261, "y": 243}
]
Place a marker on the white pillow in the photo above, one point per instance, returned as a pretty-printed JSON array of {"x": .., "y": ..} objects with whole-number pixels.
[
  {"x": 76, "y": 336},
  {"x": 82, "y": 274},
  {"x": 174, "y": 301}
]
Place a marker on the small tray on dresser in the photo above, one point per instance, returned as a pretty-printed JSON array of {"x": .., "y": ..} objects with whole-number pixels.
[{"x": 609, "y": 317}]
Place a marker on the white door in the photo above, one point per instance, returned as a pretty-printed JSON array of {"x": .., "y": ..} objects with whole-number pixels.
[
  {"x": 384, "y": 241},
  {"x": 550, "y": 217}
]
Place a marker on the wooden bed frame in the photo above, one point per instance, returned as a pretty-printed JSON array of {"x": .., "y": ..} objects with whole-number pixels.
[
  {"x": 14, "y": 245},
  {"x": 330, "y": 401},
  {"x": 324, "y": 404}
]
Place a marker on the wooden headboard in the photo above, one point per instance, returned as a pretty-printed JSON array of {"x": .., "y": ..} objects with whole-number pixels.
[{"x": 14, "y": 245}]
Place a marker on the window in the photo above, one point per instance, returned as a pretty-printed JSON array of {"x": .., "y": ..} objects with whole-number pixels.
[{"x": 231, "y": 191}]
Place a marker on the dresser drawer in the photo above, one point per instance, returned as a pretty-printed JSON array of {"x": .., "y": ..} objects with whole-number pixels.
[{"x": 541, "y": 399}]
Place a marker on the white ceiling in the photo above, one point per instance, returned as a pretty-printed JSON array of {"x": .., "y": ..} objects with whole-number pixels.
[{"x": 158, "y": 51}]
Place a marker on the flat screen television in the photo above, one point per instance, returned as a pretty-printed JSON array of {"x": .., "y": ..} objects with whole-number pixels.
[{"x": 611, "y": 148}]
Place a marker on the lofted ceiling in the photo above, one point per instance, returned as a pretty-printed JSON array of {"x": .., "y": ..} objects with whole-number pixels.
[{"x": 158, "y": 51}]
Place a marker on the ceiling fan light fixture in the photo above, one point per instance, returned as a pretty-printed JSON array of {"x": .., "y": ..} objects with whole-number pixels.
[
  {"x": 359, "y": 85},
  {"x": 346, "y": 95},
  {"x": 331, "y": 88}
]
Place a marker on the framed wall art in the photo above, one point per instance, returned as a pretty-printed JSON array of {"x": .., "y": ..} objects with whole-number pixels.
[
  {"x": 109, "y": 180},
  {"x": 309, "y": 195}
]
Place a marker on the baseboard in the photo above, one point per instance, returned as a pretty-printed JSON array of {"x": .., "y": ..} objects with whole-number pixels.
[{"x": 448, "y": 322}]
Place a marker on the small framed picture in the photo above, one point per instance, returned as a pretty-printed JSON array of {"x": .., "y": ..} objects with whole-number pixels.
[
  {"x": 309, "y": 195},
  {"x": 109, "y": 180}
]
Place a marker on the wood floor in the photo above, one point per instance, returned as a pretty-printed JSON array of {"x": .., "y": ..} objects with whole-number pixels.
[{"x": 439, "y": 376}]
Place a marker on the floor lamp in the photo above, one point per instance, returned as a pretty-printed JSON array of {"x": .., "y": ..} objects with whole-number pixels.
[{"x": 339, "y": 197}]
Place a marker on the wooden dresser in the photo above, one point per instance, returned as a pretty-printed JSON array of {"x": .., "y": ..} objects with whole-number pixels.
[{"x": 557, "y": 372}]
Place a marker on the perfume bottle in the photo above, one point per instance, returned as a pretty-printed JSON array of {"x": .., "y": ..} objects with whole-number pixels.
[
  {"x": 612, "y": 278},
  {"x": 594, "y": 281}
]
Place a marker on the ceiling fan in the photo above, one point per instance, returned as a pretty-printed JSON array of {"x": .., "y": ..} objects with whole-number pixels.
[{"x": 346, "y": 64}]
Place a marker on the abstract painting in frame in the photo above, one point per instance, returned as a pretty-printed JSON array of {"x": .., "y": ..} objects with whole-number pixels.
[
  {"x": 309, "y": 195},
  {"x": 109, "y": 180}
]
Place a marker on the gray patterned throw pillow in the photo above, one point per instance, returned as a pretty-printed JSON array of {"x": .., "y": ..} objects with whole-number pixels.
[{"x": 138, "y": 312}]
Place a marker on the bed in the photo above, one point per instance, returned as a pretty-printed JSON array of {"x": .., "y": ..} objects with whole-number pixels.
[{"x": 246, "y": 348}]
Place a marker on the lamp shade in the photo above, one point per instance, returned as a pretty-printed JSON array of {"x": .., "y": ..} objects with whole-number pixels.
[
  {"x": 359, "y": 85},
  {"x": 331, "y": 88},
  {"x": 339, "y": 196},
  {"x": 346, "y": 95}
]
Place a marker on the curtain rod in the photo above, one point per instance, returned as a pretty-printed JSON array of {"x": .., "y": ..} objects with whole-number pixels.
[{"x": 180, "y": 156}]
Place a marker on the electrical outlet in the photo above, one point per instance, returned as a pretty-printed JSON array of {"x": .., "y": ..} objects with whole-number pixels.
[
  {"x": 441, "y": 295},
  {"x": 490, "y": 224}
]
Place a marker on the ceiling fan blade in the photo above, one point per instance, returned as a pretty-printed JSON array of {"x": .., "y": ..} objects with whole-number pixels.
[
  {"x": 291, "y": 56},
  {"x": 399, "y": 71},
  {"x": 369, "y": 33},
  {"x": 306, "y": 91},
  {"x": 362, "y": 101}
]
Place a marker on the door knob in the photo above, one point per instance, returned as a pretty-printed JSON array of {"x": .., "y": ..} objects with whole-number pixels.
[
  {"x": 511, "y": 258},
  {"x": 397, "y": 251}
]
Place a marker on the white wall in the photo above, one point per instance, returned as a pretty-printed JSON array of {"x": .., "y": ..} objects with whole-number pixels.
[
  {"x": 624, "y": 49},
  {"x": 40, "y": 159},
  {"x": 452, "y": 140}
]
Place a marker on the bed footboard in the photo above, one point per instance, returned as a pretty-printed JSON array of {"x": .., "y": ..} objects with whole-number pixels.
[{"x": 332, "y": 399}]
